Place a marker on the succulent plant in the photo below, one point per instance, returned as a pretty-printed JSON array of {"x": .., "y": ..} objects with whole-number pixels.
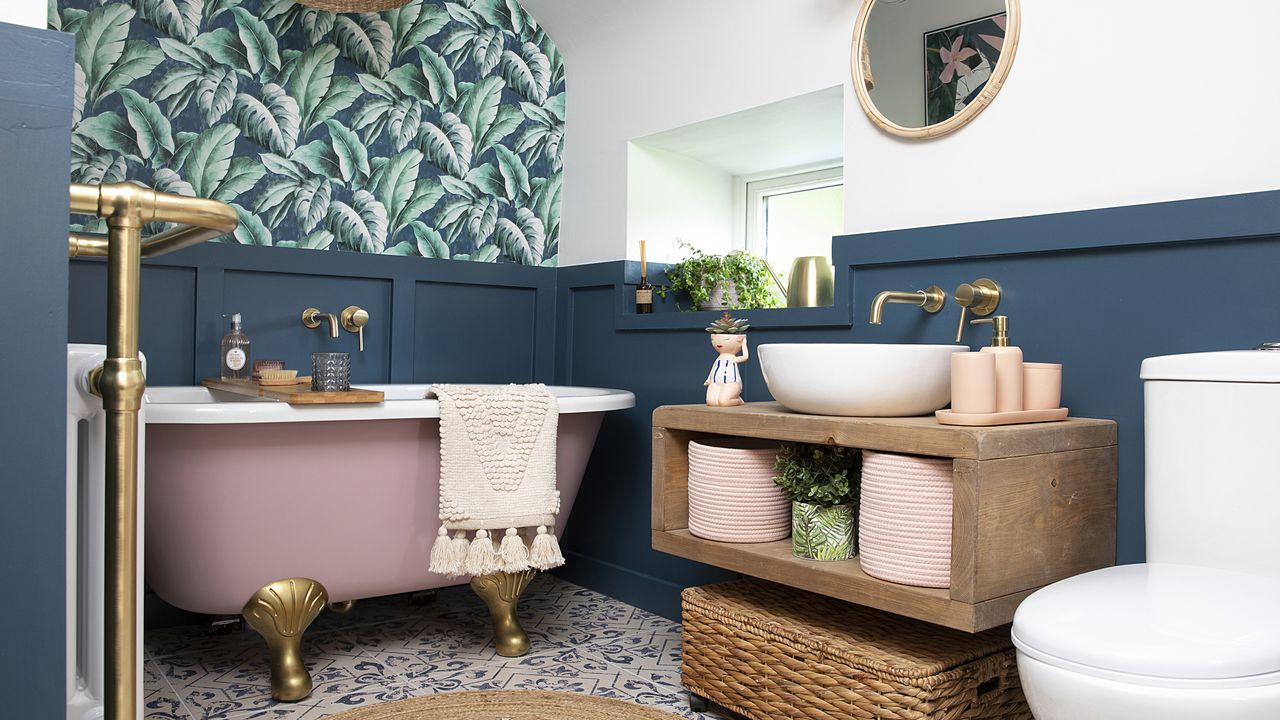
[{"x": 728, "y": 325}]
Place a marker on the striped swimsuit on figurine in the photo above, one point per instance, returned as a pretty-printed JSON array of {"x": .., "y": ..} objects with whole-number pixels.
[{"x": 723, "y": 372}]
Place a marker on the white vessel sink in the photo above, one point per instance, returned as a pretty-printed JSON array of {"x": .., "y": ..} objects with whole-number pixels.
[{"x": 859, "y": 380}]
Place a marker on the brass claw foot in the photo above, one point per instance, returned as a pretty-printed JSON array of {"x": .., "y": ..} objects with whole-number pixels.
[
  {"x": 501, "y": 592},
  {"x": 281, "y": 612}
]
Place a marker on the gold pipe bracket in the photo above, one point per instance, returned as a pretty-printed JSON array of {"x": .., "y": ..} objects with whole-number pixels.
[{"x": 86, "y": 245}]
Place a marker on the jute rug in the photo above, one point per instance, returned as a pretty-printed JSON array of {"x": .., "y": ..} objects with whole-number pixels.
[{"x": 506, "y": 705}]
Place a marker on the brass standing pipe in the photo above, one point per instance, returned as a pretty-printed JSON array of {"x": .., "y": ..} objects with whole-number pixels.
[{"x": 126, "y": 208}]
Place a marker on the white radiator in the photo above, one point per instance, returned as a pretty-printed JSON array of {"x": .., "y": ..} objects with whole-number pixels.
[{"x": 86, "y": 508}]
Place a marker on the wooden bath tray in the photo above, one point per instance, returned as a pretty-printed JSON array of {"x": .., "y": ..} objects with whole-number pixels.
[{"x": 294, "y": 394}]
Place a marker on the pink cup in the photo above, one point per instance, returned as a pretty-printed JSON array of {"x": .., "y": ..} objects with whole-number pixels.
[
  {"x": 1041, "y": 386},
  {"x": 973, "y": 382}
]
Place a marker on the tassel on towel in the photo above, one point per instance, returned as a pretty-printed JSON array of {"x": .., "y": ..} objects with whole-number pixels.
[
  {"x": 441, "y": 553},
  {"x": 513, "y": 553},
  {"x": 545, "y": 552},
  {"x": 481, "y": 558},
  {"x": 449, "y": 555}
]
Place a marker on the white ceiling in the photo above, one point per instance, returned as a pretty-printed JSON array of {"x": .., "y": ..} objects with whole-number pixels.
[{"x": 802, "y": 130}]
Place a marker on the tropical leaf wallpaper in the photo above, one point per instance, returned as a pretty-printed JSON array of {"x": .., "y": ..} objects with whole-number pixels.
[{"x": 431, "y": 130}]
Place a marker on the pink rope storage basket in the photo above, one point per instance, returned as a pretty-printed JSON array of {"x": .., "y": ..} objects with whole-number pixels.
[
  {"x": 732, "y": 497},
  {"x": 904, "y": 527}
]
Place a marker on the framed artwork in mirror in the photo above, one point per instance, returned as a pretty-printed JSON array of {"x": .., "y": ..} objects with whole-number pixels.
[{"x": 958, "y": 63}]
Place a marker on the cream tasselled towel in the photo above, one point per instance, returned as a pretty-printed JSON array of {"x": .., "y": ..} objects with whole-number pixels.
[{"x": 497, "y": 477}]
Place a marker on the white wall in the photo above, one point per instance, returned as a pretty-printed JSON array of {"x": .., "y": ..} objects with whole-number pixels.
[
  {"x": 636, "y": 68},
  {"x": 32, "y": 13},
  {"x": 1107, "y": 104},
  {"x": 671, "y": 197}
]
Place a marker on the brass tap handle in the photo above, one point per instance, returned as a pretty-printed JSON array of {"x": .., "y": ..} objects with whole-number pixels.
[
  {"x": 982, "y": 296},
  {"x": 354, "y": 319}
]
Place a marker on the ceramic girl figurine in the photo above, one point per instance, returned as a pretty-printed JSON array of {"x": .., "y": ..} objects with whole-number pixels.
[{"x": 724, "y": 383}]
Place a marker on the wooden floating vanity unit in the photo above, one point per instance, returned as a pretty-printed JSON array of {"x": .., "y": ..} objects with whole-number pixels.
[{"x": 1033, "y": 504}]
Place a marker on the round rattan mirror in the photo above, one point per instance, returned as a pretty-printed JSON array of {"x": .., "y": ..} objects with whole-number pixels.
[{"x": 924, "y": 68}]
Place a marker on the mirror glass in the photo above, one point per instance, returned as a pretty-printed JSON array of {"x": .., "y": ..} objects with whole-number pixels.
[{"x": 928, "y": 66}]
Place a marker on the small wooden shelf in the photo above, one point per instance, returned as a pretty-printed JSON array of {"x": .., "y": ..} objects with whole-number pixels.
[
  {"x": 845, "y": 580},
  {"x": 1032, "y": 504}
]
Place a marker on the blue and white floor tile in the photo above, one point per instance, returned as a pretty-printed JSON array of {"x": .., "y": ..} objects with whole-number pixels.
[{"x": 387, "y": 649}]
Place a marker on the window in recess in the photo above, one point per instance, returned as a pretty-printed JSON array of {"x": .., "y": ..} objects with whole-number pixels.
[{"x": 794, "y": 215}]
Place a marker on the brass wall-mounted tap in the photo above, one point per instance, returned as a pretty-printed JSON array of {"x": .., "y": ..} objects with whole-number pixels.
[
  {"x": 931, "y": 300},
  {"x": 311, "y": 318},
  {"x": 981, "y": 297},
  {"x": 354, "y": 319}
]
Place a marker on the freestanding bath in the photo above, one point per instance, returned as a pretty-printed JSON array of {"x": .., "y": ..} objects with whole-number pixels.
[{"x": 272, "y": 511}]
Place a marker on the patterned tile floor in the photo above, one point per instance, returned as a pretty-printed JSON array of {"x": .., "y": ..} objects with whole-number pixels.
[{"x": 387, "y": 649}]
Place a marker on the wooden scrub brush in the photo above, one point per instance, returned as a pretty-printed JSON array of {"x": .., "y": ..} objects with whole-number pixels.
[{"x": 281, "y": 377}]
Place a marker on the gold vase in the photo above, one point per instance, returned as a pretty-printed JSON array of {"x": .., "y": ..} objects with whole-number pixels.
[{"x": 811, "y": 282}]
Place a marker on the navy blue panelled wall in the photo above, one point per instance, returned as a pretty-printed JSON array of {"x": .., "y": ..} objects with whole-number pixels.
[
  {"x": 35, "y": 147},
  {"x": 1097, "y": 290},
  {"x": 429, "y": 320}
]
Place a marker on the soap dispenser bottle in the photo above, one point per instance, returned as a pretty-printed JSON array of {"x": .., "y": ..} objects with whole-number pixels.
[
  {"x": 1008, "y": 364},
  {"x": 235, "y": 352}
]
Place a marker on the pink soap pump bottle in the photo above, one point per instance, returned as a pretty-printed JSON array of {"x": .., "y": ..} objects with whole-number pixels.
[{"x": 1008, "y": 364}]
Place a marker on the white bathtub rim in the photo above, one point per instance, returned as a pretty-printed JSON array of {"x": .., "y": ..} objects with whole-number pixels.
[{"x": 188, "y": 405}]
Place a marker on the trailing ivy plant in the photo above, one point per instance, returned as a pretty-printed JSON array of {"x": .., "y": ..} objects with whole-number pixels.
[
  {"x": 698, "y": 275},
  {"x": 823, "y": 475}
]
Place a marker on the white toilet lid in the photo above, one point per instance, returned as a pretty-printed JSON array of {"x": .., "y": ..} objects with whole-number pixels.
[{"x": 1161, "y": 621}]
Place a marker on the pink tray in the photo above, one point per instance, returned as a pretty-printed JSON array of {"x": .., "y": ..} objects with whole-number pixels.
[{"x": 1016, "y": 417}]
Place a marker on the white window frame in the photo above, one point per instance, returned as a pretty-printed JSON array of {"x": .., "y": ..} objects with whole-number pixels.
[{"x": 752, "y": 191}]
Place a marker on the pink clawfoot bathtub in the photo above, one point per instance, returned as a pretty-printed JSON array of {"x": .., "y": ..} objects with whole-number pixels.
[{"x": 271, "y": 510}]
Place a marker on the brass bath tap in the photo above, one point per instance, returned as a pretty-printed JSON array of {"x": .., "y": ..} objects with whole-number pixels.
[
  {"x": 930, "y": 300},
  {"x": 311, "y": 317}
]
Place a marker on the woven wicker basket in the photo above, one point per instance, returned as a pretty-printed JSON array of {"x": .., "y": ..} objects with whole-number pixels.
[{"x": 767, "y": 651}]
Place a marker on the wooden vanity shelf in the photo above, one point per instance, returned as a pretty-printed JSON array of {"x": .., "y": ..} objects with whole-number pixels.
[{"x": 1033, "y": 504}]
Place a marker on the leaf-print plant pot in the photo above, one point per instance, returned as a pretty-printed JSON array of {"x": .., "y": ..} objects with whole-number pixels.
[
  {"x": 823, "y": 533},
  {"x": 724, "y": 294}
]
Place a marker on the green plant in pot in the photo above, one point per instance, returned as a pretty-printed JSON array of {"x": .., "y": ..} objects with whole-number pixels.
[
  {"x": 822, "y": 482},
  {"x": 735, "y": 281}
]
